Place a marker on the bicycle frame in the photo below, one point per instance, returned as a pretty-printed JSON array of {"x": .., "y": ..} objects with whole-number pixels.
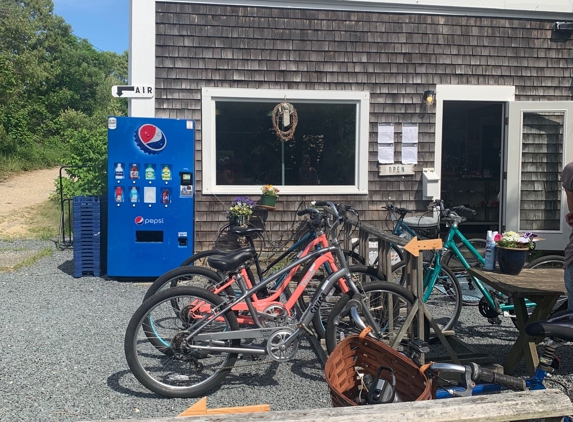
[
  {"x": 260, "y": 305},
  {"x": 302, "y": 325}
]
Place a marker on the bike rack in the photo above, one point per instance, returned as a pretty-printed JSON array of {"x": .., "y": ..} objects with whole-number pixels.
[{"x": 415, "y": 278}]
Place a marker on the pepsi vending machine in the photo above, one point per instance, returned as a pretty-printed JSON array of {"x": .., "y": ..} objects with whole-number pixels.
[{"x": 150, "y": 195}]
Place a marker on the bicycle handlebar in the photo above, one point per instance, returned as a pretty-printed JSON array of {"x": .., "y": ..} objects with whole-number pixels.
[
  {"x": 480, "y": 374},
  {"x": 462, "y": 208},
  {"x": 307, "y": 211}
]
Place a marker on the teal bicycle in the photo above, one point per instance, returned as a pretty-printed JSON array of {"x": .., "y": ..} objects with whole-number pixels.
[{"x": 453, "y": 260}]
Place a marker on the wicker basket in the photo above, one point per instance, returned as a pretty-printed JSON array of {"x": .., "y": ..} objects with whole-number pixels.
[{"x": 367, "y": 355}]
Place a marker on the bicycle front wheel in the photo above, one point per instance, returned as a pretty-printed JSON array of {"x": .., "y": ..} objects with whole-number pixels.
[
  {"x": 445, "y": 299},
  {"x": 186, "y": 372},
  {"x": 471, "y": 294},
  {"x": 388, "y": 303},
  {"x": 361, "y": 275}
]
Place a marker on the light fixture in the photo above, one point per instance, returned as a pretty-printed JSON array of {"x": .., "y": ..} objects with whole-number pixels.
[{"x": 429, "y": 97}]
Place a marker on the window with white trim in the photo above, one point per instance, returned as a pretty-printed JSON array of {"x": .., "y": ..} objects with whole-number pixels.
[{"x": 241, "y": 151}]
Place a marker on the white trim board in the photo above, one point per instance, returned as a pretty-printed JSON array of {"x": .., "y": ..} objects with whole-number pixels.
[
  {"x": 490, "y": 93},
  {"x": 210, "y": 95}
]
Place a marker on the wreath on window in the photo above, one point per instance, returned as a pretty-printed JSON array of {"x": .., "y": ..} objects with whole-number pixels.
[{"x": 284, "y": 114}]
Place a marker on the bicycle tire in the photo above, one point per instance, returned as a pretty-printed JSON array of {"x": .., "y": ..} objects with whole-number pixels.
[
  {"x": 471, "y": 295},
  {"x": 548, "y": 261},
  {"x": 361, "y": 274},
  {"x": 445, "y": 300},
  {"x": 174, "y": 375},
  {"x": 379, "y": 296},
  {"x": 200, "y": 258},
  {"x": 185, "y": 275}
]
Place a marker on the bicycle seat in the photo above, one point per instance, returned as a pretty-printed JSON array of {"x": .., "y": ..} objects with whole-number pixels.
[
  {"x": 559, "y": 325},
  {"x": 231, "y": 260},
  {"x": 245, "y": 231}
]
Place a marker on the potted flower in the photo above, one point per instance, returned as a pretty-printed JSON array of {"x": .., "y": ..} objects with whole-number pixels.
[
  {"x": 269, "y": 196},
  {"x": 512, "y": 249},
  {"x": 240, "y": 210}
]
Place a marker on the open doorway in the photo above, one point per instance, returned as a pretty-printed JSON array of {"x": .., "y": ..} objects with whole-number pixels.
[{"x": 471, "y": 171}]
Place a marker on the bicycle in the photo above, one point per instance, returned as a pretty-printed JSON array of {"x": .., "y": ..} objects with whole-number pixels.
[
  {"x": 206, "y": 278},
  {"x": 205, "y": 335},
  {"x": 313, "y": 237}
]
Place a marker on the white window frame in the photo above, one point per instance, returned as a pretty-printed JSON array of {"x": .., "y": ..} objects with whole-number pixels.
[{"x": 211, "y": 95}]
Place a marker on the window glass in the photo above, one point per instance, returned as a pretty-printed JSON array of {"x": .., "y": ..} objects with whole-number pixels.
[
  {"x": 322, "y": 151},
  {"x": 541, "y": 158}
]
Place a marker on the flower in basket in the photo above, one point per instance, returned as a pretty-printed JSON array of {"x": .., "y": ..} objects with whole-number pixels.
[
  {"x": 515, "y": 240},
  {"x": 270, "y": 190},
  {"x": 242, "y": 205}
]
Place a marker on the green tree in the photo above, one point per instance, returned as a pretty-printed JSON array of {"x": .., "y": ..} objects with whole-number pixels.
[{"x": 55, "y": 87}]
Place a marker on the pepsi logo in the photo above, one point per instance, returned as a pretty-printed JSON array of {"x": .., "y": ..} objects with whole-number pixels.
[
  {"x": 150, "y": 139},
  {"x": 139, "y": 220}
]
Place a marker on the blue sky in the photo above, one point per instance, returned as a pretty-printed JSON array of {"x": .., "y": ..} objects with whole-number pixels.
[{"x": 105, "y": 23}]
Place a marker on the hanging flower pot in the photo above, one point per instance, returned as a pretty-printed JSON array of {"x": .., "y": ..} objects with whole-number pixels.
[
  {"x": 269, "y": 195},
  {"x": 268, "y": 200},
  {"x": 511, "y": 260}
]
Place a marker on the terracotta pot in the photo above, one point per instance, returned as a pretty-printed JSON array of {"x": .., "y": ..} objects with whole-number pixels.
[{"x": 511, "y": 260}]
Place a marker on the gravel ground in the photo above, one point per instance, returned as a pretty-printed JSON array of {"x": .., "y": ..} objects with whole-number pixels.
[{"x": 61, "y": 353}]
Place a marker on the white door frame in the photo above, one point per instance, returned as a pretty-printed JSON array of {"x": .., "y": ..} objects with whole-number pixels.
[
  {"x": 554, "y": 240},
  {"x": 490, "y": 93}
]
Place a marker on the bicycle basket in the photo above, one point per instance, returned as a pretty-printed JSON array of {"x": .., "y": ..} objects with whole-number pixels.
[
  {"x": 424, "y": 227},
  {"x": 365, "y": 355}
]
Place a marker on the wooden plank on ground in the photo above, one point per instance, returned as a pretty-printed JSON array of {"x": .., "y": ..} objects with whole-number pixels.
[{"x": 512, "y": 406}]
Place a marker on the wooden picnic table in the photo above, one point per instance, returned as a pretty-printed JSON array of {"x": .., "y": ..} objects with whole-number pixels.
[{"x": 542, "y": 286}]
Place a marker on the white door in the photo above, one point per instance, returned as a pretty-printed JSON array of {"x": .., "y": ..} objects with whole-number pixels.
[{"x": 539, "y": 144}]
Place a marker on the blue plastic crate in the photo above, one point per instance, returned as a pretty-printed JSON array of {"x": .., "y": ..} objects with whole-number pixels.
[{"x": 89, "y": 214}]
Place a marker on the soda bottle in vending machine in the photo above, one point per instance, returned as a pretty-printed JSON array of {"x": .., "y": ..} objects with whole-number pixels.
[
  {"x": 165, "y": 196},
  {"x": 134, "y": 172},
  {"x": 119, "y": 194},
  {"x": 133, "y": 195}
]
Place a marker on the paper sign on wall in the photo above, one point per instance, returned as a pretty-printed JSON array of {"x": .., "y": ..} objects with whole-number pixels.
[
  {"x": 409, "y": 143},
  {"x": 385, "y": 143}
]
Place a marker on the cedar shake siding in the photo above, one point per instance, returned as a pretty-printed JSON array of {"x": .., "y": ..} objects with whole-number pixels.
[{"x": 395, "y": 57}]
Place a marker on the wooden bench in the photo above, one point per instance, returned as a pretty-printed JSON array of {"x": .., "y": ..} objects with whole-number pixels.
[{"x": 549, "y": 404}]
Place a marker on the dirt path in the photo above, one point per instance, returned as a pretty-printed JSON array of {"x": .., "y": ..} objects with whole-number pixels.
[{"x": 19, "y": 193}]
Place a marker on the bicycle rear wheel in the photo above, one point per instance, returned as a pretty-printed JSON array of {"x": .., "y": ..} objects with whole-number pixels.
[
  {"x": 388, "y": 303},
  {"x": 186, "y": 372},
  {"x": 471, "y": 294}
]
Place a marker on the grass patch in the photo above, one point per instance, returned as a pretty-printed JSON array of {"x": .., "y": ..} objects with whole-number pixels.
[
  {"x": 40, "y": 221},
  {"x": 43, "y": 253}
]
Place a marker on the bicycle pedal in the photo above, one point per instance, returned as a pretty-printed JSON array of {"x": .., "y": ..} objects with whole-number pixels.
[{"x": 494, "y": 321}]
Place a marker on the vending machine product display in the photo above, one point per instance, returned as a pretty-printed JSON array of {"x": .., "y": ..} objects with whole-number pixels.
[{"x": 150, "y": 195}]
